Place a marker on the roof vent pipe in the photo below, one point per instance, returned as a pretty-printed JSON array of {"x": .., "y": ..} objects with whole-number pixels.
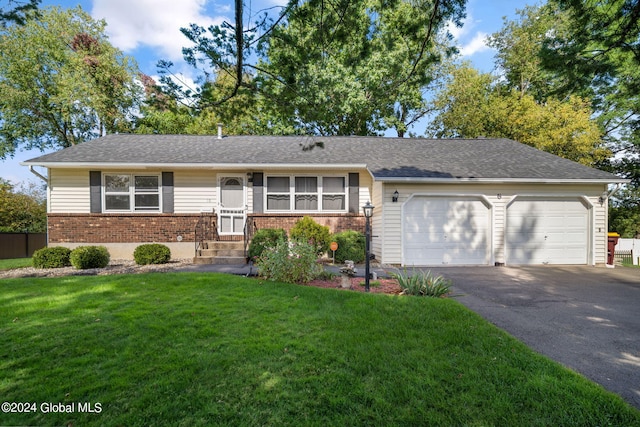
[{"x": 219, "y": 130}]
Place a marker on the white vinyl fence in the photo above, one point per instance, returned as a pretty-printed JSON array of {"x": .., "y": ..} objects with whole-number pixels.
[{"x": 628, "y": 249}]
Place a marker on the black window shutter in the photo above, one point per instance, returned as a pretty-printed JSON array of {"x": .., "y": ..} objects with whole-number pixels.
[
  {"x": 167, "y": 192},
  {"x": 258, "y": 192},
  {"x": 354, "y": 192},
  {"x": 95, "y": 195}
]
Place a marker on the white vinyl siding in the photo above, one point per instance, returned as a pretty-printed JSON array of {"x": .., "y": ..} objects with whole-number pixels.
[
  {"x": 69, "y": 191},
  {"x": 194, "y": 191},
  {"x": 377, "y": 222}
]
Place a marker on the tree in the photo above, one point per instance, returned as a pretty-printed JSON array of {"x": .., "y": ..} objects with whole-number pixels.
[
  {"x": 164, "y": 113},
  {"x": 599, "y": 57},
  {"x": 518, "y": 45},
  {"x": 15, "y": 12},
  {"x": 22, "y": 210},
  {"x": 332, "y": 67},
  {"x": 474, "y": 105},
  {"x": 624, "y": 213},
  {"x": 62, "y": 83}
]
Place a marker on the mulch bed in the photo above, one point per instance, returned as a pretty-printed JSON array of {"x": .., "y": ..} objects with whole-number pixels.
[{"x": 380, "y": 286}]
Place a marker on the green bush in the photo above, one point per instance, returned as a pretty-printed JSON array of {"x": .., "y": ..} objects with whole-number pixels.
[
  {"x": 294, "y": 262},
  {"x": 152, "y": 253},
  {"x": 422, "y": 283},
  {"x": 84, "y": 257},
  {"x": 55, "y": 257},
  {"x": 351, "y": 246},
  {"x": 310, "y": 231},
  {"x": 263, "y": 239}
]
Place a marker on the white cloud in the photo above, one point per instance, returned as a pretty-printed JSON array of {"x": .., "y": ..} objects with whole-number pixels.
[
  {"x": 477, "y": 44},
  {"x": 469, "y": 40},
  {"x": 152, "y": 23}
]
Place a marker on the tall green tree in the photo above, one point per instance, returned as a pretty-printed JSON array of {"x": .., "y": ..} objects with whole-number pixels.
[
  {"x": 62, "y": 82},
  {"x": 333, "y": 67},
  {"x": 599, "y": 57},
  {"x": 474, "y": 104},
  {"x": 164, "y": 113},
  {"x": 518, "y": 45},
  {"x": 16, "y": 11}
]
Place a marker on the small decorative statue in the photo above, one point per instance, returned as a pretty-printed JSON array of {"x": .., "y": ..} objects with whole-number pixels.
[{"x": 348, "y": 271}]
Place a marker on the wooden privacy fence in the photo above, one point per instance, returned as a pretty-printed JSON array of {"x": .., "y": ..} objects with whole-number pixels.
[{"x": 21, "y": 245}]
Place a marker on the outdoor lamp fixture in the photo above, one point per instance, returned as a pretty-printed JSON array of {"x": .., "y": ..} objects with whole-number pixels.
[
  {"x": 603, "y": 198},
  {"x": 368, "y": 213},
  {"x": 395, "y": 196}
]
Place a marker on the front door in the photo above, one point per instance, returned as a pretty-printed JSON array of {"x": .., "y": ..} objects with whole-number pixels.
[{"x": 231, "y": 208}]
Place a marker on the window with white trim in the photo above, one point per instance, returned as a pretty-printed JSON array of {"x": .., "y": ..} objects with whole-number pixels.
[
  {"x": 306, "y": 193},
  {"x": 131, "y": 193}
]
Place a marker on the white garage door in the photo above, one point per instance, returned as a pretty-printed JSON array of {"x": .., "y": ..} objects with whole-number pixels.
[
  {"x": 446, "y": 230},
  {"x": 547, "y": 232}
]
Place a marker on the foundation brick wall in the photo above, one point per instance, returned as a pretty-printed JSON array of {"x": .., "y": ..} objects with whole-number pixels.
[
  {"x": 121, "y": 228},
  {"x": 336, "y": 222},
  {"x": 137, "y": 228}
]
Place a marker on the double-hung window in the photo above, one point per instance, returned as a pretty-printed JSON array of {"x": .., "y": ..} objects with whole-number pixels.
[
  {"x": 278, "y": 193},
  {"x": 131, "y": 193},
  {"x": 306, "y": 193},
  {"x": 334, "y": 197}
]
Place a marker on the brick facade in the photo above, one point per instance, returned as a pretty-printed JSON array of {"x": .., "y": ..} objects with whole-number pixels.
[
  {"x": 136, "y": 228},
  {"x": 121, "y": 228},
  {"x": 336, "y": 222}
]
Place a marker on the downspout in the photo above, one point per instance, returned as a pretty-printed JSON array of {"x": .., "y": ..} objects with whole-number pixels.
[
  {"x": 36, "y": 173},
  {"x": 46, "y": 180},
  {"x": 614, "y": 191}
]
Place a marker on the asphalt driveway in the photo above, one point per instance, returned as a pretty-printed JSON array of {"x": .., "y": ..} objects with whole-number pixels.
[{"x": 586, "y": 318}]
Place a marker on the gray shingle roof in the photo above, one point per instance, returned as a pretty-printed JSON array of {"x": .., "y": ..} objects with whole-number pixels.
[{"x": 386, "y": 158}]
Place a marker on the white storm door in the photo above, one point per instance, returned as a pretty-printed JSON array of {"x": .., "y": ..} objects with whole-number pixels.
[
  {"x": 547, "y": 232},
  {"x": 446, "y": 231},
  {"x": 231, "y": 206}
]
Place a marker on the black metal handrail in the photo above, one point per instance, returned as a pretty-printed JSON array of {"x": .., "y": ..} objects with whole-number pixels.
[{"x": 205, "y": 230}]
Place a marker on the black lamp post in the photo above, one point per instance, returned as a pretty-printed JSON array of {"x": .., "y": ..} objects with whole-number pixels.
[{"x": 368, "y": 213}]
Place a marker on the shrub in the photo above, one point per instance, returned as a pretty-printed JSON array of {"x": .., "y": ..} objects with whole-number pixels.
[
  {"x": 351, "y": 245},
  {"x": 310, "y": 231},
  {"x": 294, "y": 262},
  {"x": 422, "y": 283},
  {"x": 265, "y": 238},
  {"x": 84, "y": 257},
  {"x": 55, "y": 257},
  {"x": 152, "y": 253}
]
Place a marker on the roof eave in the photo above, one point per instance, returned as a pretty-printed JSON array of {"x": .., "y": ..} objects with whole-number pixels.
[
  {"x": 429, "y": 180},
  {"x": 207, "y": 166}
]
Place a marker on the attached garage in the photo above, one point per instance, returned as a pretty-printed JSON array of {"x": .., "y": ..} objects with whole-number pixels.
[
  {"x": 548, "y": 231},
  {"x": 446, "y": 231}
]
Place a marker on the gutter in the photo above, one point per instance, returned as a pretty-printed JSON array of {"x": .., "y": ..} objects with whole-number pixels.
[
  {"x": 410, "y": 180},
  {"x": 216, "y": 166}
]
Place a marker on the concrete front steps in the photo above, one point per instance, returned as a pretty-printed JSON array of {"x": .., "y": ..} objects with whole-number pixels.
[{"x": 220, "y": 253}]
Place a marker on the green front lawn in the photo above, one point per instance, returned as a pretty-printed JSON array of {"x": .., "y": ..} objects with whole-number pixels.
[
  {"x": 10, "y": 264},
  {"x": 211, "y": 349}
]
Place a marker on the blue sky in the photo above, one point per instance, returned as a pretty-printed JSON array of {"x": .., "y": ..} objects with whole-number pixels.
[{"x": 149, "y": 30}]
